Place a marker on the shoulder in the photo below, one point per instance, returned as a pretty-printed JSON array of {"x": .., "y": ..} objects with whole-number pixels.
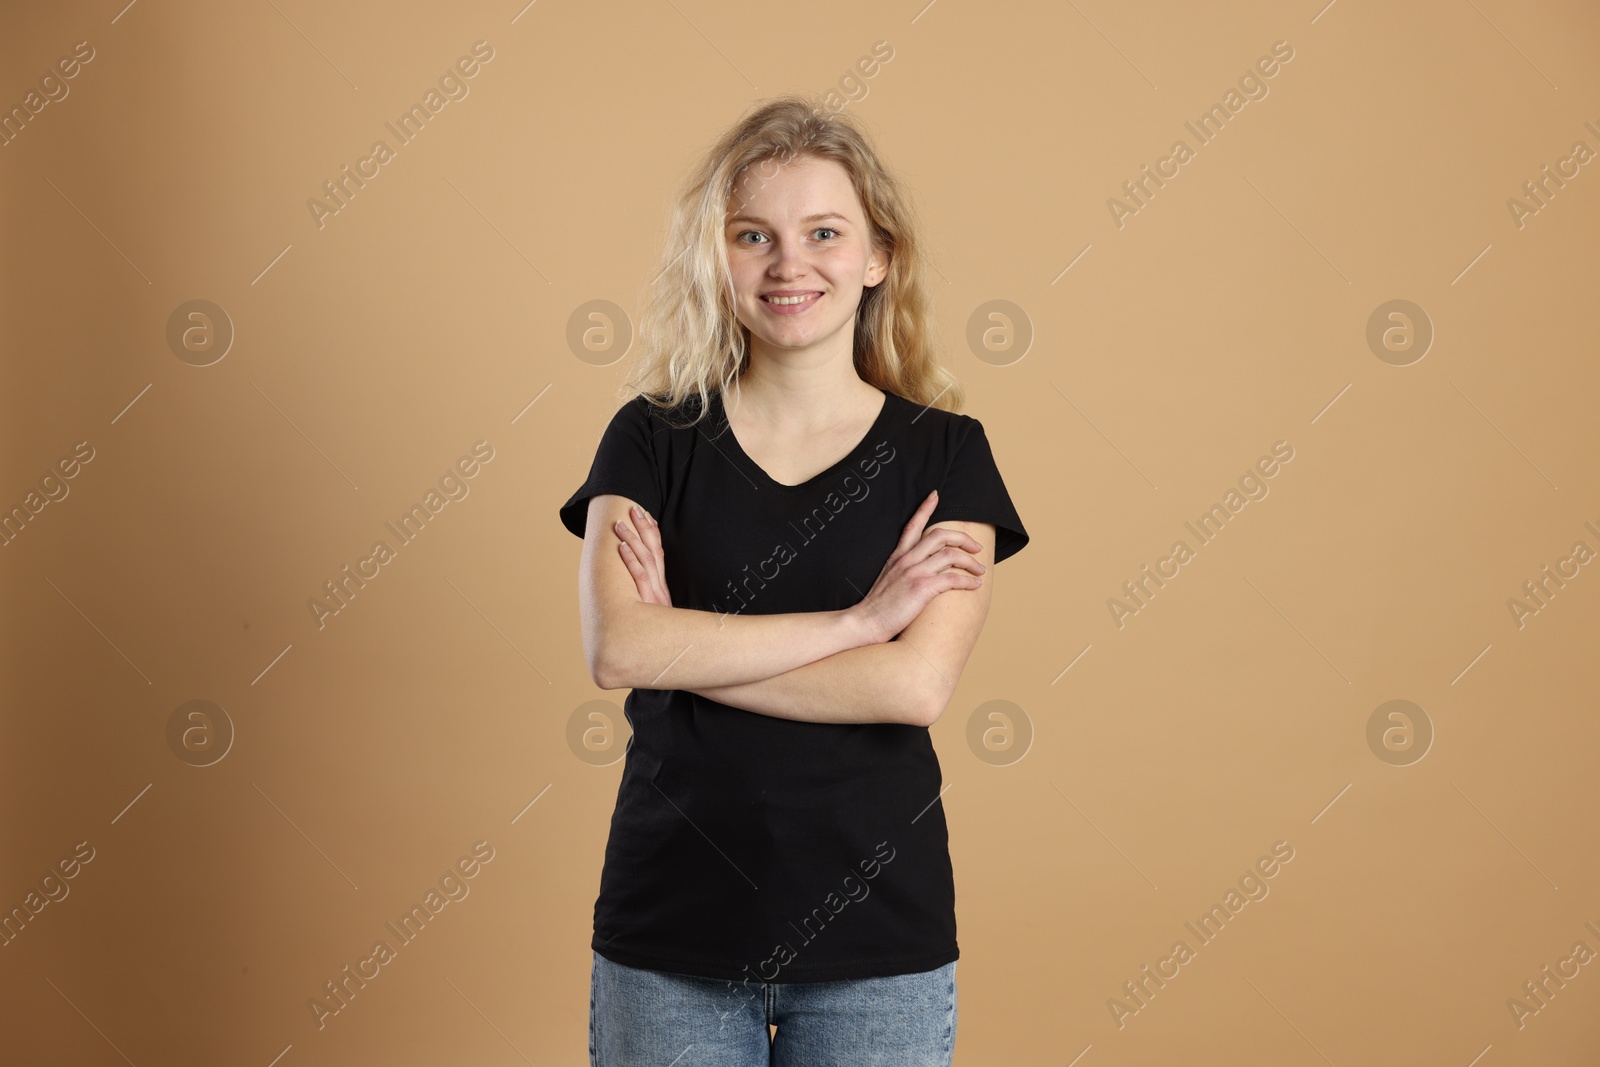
[
  {"x": 949, "y": 428},
  {"x": 655, "y": 417}
]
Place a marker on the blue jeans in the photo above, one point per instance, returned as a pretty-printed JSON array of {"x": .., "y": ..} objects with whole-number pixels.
[{"x": 646, "y": 1018}]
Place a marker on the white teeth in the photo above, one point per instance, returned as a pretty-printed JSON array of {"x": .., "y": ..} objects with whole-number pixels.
[{"x": 790, "y": 299}]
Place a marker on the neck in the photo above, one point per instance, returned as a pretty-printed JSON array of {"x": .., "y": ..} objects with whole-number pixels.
[{"x": 800, "y": 396}]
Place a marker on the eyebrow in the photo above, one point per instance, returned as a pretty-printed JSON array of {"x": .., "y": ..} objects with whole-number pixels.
[{"x": 809, "y": 218}]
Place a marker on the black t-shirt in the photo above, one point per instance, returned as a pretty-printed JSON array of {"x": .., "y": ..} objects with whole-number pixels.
[{"x": 745, "y": 846}]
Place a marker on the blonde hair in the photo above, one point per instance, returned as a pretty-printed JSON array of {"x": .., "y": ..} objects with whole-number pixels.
[{"x": 691, "y": 341}]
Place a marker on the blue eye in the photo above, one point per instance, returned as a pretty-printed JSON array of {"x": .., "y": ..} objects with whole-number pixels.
[{"x": 746, "y": 233}]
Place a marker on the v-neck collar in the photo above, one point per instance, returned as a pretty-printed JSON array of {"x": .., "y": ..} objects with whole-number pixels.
[{"x": 766, "y": 479}]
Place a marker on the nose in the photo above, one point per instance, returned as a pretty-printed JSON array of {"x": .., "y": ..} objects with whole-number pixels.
[{"x": 789, "y": 261}]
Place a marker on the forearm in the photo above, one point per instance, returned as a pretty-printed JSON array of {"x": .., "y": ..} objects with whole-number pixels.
[
  {"x": 873, "y": 683},
  {"x": 652, "y": 646}
]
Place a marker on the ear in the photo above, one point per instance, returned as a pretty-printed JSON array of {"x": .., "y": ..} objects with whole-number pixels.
[{"x": 877, "y": 269}]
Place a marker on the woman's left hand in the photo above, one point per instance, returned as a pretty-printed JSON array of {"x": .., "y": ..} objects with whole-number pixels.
[{"x": 642, "y": 553}]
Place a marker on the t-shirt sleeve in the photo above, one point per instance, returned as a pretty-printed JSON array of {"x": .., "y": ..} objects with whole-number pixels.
[
  {"x": 973, "y": 491},
  {"x": 624, "y": 464}
]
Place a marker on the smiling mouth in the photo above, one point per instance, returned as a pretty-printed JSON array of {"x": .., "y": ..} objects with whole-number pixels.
[{"x": 790, "y": 301}]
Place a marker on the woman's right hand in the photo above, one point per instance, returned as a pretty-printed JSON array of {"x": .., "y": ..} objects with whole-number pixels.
[{"x": 920, "y": 568}]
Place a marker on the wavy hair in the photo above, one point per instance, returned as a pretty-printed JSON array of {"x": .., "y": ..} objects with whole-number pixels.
[{"x": 690, "y": 339}]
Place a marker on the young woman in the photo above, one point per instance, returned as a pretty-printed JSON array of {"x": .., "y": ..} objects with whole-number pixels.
[{"x": 789, "y": 539}]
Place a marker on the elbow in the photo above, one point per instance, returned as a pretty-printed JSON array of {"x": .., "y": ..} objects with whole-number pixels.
[
  {"x": 603, "y": 668},
  {"x": 610, "y": 646},
  {"x": 606, "y": 674},
  {"x": 930, "y": 706}
]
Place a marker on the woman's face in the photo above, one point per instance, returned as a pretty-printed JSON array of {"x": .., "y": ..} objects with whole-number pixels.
[{"x": 797, "y": 230}]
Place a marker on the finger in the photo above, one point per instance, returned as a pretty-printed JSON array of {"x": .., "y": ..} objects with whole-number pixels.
[
  {"x": 635, "y": 568},
  {"x": 629, "y": 536},
  {"x": 649, "y": 532},
  {"x": 958, "y": 538},
  {"x": 948, "y": 560},
  {"x": 644, "y": 580},
  {"x": 919, "y": 514},
  {"x": 924, "y": 508},
  {"x": 650, "y": 535},
  {"x": 913, "y": 529},
  {"x": 954, "y": 538},
  {"x": 622, "y": 530},
  {"x": 647, "y": 571},
  {"x": 658, "y": 580},
  {"x": 959, "y": 557},
  {"x": 944, "y": 547},
  {"x": 641, "y": 553},
  {"x": 952, "y": 579},
  {"x": 640, "y": 569}
]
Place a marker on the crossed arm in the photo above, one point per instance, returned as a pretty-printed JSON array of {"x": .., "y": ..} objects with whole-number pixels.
[{"x": 808, "y": 666}]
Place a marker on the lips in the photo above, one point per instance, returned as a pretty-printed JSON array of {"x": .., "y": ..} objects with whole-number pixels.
[{"x": 794, "y": 299}]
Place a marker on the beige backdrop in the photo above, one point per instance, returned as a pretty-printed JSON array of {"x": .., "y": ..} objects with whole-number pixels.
[{"x": 218, "y": 396}]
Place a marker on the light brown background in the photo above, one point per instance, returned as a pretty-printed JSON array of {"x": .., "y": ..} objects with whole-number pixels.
[{"x": 1230, "y": 313}]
